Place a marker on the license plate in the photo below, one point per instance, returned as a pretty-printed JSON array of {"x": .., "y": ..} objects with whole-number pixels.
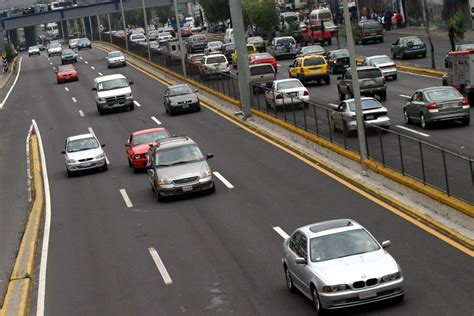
[
  {"x": 293, "y": 94},
  {"x": 369, "y": 117},
  {"x": 187, "y": 188},
  {"x": 185, "y": 106},
  {"x": 367, "y": 294},
  {"x": 449, "y": 105}
]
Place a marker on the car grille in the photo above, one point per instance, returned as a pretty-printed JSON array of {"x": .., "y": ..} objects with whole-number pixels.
[
  {"x": 361, "y": 284},
  {"x": 116, "y": 99},
  {"x": 185, "y": 102},
  {"x": 84, "y": 160},
  {"x": 185, "y": 180}
]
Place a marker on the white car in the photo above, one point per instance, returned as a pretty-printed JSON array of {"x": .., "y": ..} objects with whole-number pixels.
[
  {"x": 384, "y": 63},
  {"x": 73, "y": 43},
  {"x": 164, "y": 37},
  {"x": 195, "y": 28},
  {"x": 286, "y": 92},
  {"x": 33, "y": 50},
  {"x": 115, "y": 59},
  {"x": 54, "y": 49},
  {"x": 214, "y": 65},
  {"x": 153, "y": 34},
  {"x": 137, "y": 38},
  {"x": 214, "y": 46},
  {"x": 84, "y": 152}
]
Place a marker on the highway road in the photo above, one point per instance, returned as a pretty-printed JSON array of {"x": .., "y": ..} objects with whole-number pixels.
[{"x": 220, "y": 251}]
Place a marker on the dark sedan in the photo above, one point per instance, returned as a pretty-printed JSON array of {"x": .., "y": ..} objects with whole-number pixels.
[
  {"x": 338, "y": 60},
  {"x": 409, "y": 46},
  {"x": 181, "y": 98},
  {"x": 68, "y": 56}
]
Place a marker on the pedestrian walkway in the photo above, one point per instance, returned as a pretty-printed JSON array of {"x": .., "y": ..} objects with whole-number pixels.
[{"x": 434, "y": 32}]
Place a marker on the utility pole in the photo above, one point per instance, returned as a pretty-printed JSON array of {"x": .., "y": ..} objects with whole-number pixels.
[
  {"x": 124, "y": 25},
  {"x": 180, "y": 38},
  {"x": 427, "y": 30},
  {"x": 110, "y": 27},
  {"x": 147, "y": 31},
  {"x": 242, "y": 60},
  {"x": 356, "y": 88}
]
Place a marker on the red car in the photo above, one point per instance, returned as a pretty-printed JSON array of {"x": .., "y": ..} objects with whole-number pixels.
[
  {"x": 138, "y": 144},
  {"x": 263, "y": 58},
  {"x": 66, "y": 73},
  {"x": 186, "y": 31}
]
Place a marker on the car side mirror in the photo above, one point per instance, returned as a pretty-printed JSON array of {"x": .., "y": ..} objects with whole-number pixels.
[
  {"x": 127, "y": 145},
  {"x": 130, "y": 83},
  {"x": 75, "y": 68},
  {"x": 209, "y": 156},
  {"x": 103, "y": 145},
  {"x": 63, "y": 152},
  {"x": 300, "y": 260},
  {"x": 94, "y": 89},
  {"x": 386, "y": 244}
]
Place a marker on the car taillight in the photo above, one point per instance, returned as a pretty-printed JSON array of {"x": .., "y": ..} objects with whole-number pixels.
[
  {"x": 432, "y": 106},
  {"x": 465, "y": 104},
  {"x": 362, "y": 34},
  {"x": 302, "y": 69},
  {"x": 279, "y": 97},
  {"x": 306, "y": 93}
]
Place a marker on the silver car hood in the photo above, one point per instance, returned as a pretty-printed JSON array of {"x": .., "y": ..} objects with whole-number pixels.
[
  {"x": 183, "y": 171},
  {"x": 355, "y": 268},
  {"x": 84, "y": 154}
]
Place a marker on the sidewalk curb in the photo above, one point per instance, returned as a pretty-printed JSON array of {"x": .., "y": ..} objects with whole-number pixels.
[
  {"x": 17, "y": 296},
  {"x": 9, "y": 74}
]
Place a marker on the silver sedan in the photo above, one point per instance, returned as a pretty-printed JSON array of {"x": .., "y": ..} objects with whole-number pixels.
[
  {"x": 384, "y": 63},
  {"x": 339, "y": 264}
]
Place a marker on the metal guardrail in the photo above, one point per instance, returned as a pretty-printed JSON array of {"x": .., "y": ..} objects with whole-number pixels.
[{"x": 434, "y": 166}]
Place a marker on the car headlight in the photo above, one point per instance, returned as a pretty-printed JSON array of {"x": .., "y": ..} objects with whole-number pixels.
[
  {"x": 335, "y": 288},
  {"x": 137, "y": 156},
  {"x": 70, "y": 160},
  {"x": 101, "y": 99},
  {"x": 99, "y": 156},
  {"x": 206, "y": 174},
  {"x": 128, "y": 95},
  {"x": 391, "y": 277},
  {"x": 164, "y": 181}
]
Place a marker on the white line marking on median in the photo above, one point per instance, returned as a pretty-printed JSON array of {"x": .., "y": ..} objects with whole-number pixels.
[
  {"x": 100, "y": 74},
  {"x": 13, "y": 85},
  {"x": 156, "y": 120},
  {"x": 136, "y": 103},
  {"x": 159, "y": 264},
  {"x": 47, "y": 224},
  {"x": 281, "y": 232},
  {"x": 92, "y": 67},
  {"x": 126, "y": 198},
  {"x": 91, "y": 131},
  {"x": 28, "y": 166},
  {"x": 85, "y": 61},
  {"x": 412, "y": 130},
  {"x": 81, "y": 113},
  {"x": 223, "y": 180},
  {"x": 74, "y": 99},
  {"x": 66, "y": 88},
  {"x": 405, "y": 96}
]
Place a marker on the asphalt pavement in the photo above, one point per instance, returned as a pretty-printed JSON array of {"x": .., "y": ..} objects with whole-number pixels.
[{"x": 221, "y": 251}]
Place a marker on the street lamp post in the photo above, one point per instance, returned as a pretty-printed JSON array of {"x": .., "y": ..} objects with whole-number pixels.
[
  {"x": 180, "y": 38},
  {"x": 110, "y": 27},
  {"x": 147, "y": 32},
  {"x": 356, "y": 88},
  {"x": 124, "y": 25}
]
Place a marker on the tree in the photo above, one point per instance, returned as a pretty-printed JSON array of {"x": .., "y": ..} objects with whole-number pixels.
[
  {"x": 260, "y": 14},
  {"x": 164, "y": 13},
  {"x": 215, "y": 10},
  {"x": 457, "y": 27}
]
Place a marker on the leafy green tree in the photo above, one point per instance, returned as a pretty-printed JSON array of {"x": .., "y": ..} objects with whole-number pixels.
[
  {"x": 215, "y": 10},
  {"x": 457, "y": 27},
  {"x": 260, "y": 14},
  {"x": 9, "y": 52},
  {"x": 164, "y": 13}
]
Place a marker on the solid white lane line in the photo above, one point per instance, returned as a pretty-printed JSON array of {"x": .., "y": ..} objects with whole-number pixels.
[
  {"x": 412, "y": 130},
  {"x": 13, "y": 85},
  {"x": 156, "y": 120},
  {"x": 66, "y": 88},
  {"x": 405, "y": 96},
  {"x": 85, "y": 61},
  {"x": 80, "y": 57},
  {"x": 92, "y": 67},
  {"x": 223, "y": 180},
  {"x": 136, "y": 103},
  {"x": 100, "y": 74},
  {"x": 74, "y": 99},
  {"x": 126, "y": 198},
  {"x": 47, "y": 224},
  {"x": 81, "y": 113},
  {"x": 28, "y": 166},
  {"x": 159, "y": 264},
  {"x": 281, "y": 232}
]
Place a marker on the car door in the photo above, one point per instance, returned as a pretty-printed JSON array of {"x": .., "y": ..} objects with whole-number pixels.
[
  {"x": 294, "y": 251},
  {"x": 343, "y": 83},
  {"x": 128, "y": 147},
  {"x": 151, "y": 171},
  {"x": 338, "y": 114},
  {"x": 166, "y": 98},
  {"x": 270, "y": 94},
  {"x": 416, "y": 103},
  {"x": 293, "y": 69},
  {"x": 395, "y": 47}
]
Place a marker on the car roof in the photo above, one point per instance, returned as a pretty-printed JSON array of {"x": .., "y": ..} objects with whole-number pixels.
[
  {"x": 214, "y": 55},
  {"x": 285, "y": 80},
  {"x": 81, "y": 136},
  {"x": 376, "y": 56},
  {"x": 362, "y": 99},
  {"x": 149, "y": 130},
  {"x": 178, "y": 85},
  {"x": 363, "y": 68},
  {"x": 109, "y": 77},
  {"x": 330, "y": 227},
  {"x": 174, "y": 141},
  {"x": 408, "y": 37},
  {"x": 436, "y": 88}
]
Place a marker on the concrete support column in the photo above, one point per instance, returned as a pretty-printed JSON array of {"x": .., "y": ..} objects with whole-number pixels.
[
  {"x": 63, "y": 30},
  {"x": 13, "y": 35},
  {"x": 87, "y": 25},
  {"x": 30, "y": 35}
]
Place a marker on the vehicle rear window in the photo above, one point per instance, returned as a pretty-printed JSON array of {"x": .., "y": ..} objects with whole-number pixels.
[
  {"x": 250, "y": 48},
  {"x": 262, "y": 56},
  {"x": 283, "y": 41},
  {"x": 371, "y": 26},
  {"x": 341, "y": 54},
  {"x": 367, "y": 104},
  {"x": 313, "y": 61},
  {"x": 199, "y": 38},
  {"x": 369, "y": 73},
  {"x": 261, "y": 70},
  {"x": 289, "y": 85},
  {"x": 65, "y": 67},
  {"x": 312, "y": 49},
  {"x": 149, "y": 137},
  {"x": 324, "y": 15},
  {"x": 216, "y": 60},
  {"x": 441, "y": 94}
]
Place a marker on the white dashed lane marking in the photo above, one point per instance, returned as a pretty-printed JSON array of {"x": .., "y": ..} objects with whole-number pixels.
[
  {"x": 412, "y": 130},
  {"x": 85, "y": 61},
  {"x": 66, "y": 88},
  {"x": 281, "y": 232},
  {"x": 126, "y": 198},
  {"x": 100, "y": 74},
  {"x": 92, "y": 67},
  {"x": 136, "y": 103},
  {"x": 74, "y": 99},
  {"x": 156, "y": 120},
  {"x": 80, "y": 57},
  {"x": 159, "y": 264},
  {"x": 223, "y": 180},
  {"x": 81, "y": 113}
]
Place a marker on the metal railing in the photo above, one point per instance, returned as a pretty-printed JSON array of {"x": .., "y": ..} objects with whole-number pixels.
[{"x": 434, "y": 166}]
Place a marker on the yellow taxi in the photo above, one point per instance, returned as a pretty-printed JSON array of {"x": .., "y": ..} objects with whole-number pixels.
[
  {"x": 251, "y": 49},
  {"x": 309, "y": 68}
]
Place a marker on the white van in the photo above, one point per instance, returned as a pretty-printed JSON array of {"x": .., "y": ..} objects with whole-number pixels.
[
  {"x": 112, "y": 91},
  {"x": 320, "y": 15},
  {"x": 287, "y": 18},
  {"x": 229, "y": 36}
]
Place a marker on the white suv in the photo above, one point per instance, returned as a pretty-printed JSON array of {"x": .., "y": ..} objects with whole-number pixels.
[{"x": 214, "y": 65}]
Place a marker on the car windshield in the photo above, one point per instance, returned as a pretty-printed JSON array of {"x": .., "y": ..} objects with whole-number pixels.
[
  {"x": 291, "y": 18},
  {"x": 54, "y": 46},
  {"x": 229, "y": 47},
  {"x": 115, "y": 54},
  {"x": 262, "y": 56},
  {"x": 33, "y": 47},
  {"x": 368, "y": 104},
  {"x": 313, "y": 61},
  {"x": 82, "y": 144},
  {"x": 254, "y": 39},
  {"x": 370, "y": 73},
  {"x": 329, "y": 23},
  {"x": 149, "y": 137},
  {"x": 180, "y": 90},
  {"x": 443, "y": 94},
  {"x": 312, "y": 49},
  {"x": 83, "y": 40},
  {"x": 340, "y": 245},
  {"x": 341, "y": 54},
  {"x": 371, "y": 26},
  {"x": 112, "y": 84},
  {"x": 199, "y": 38},
  {"x": 68, "y": 52},
  {"x": 216, "y": 60},
  {"x": 65, "y": 68},
  {"x": 289, "y": 85},
  {"x": 178, "y": 155},
  {"x": 250, "y": 48},
  {"x": 380, "y": 60}
]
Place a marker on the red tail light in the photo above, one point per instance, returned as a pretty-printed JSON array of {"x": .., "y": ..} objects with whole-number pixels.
[
  {"x": 362, "y": 34},
  {"x": 335, "y": 61},
  {"x": 302, "y": 69},
  {"x": 465, "y": 102},
  {"x": 279, "y": 97},
  {"x": 306, "y": 93},
  {"x": 432, "y": 106}
]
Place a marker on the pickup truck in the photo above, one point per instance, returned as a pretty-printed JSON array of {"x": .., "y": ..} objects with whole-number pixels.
[
  {"x": 283, "y": 47},
  {"x": 316, "y": 32}
]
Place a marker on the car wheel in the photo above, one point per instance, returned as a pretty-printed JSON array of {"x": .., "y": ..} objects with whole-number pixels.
[
  {"x": 131, "y": 107},
  {"x": 423, "y": 122},
  {"x": 101, "y": 112},
  {"x": 345, "y": 129},
  {"x": 334, "y": 127},
  {"x": 327, "y": 80},
  {"x": 394, "y": 77},
  {"x": 406, "y": 117},
  {"x": 70, "y": 173},
  {"x": 393, "y": 55},
  {"x": 466, "y": 121},
  {"x": 129, "y": 162},
  {"x": 402, "y": 56},
  {"x": 198, "y": 108},
  {"x": 289, "y": 280},
  {"x": 135, "y": 170},
  {"x": 158, "y": 196},
  {"x": 316, "y": 302},
  {"x": 383, "y": 95},
  {"x": 424, "y": 55}
]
